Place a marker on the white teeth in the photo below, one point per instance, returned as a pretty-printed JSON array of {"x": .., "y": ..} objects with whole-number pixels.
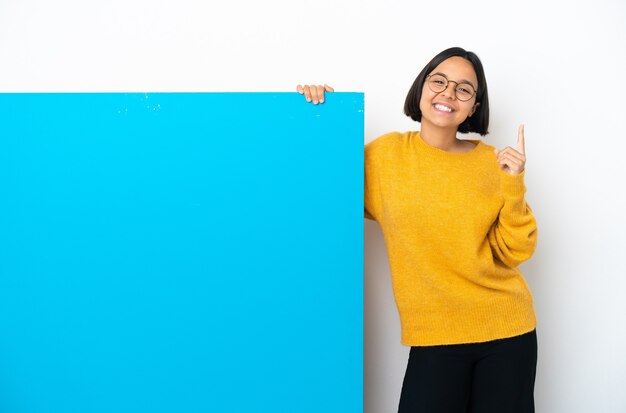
[{"x": 444, "y": 108}]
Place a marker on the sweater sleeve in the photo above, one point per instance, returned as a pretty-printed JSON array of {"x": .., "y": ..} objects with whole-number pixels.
[
  {"x": 372, "y": 201},
  {"x": 513, "y": 237}
]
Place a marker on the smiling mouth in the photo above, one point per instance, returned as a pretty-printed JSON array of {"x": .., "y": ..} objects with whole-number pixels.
[{"x": 443, "y": 108}]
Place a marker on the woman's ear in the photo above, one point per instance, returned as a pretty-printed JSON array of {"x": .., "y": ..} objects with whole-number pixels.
[{"x": 473, "y": 109}]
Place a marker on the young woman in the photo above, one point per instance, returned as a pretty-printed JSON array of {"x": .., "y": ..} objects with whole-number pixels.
[{"x": 456, "y": 226}]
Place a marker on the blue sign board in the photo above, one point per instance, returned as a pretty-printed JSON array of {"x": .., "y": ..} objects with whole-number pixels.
[{"x": 181, "y": 252}]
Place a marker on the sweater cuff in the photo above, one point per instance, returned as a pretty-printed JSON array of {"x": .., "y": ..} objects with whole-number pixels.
[{"x": 512, "y": 185}]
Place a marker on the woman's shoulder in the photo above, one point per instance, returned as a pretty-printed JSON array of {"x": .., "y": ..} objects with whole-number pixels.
[
  {"x": 387, "y": 139},
  {"x": 485, "y": 145},
  {"x": 486, "y": 151},
  {"x": 385, "y": 146}
]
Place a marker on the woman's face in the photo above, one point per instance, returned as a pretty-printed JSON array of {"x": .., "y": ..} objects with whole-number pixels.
[{"x": 444, "y": 109}]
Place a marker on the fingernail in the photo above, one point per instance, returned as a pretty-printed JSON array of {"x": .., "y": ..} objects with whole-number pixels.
[
  {"x": 322, "y": 101},
  {"x": 315, "y": 102}
]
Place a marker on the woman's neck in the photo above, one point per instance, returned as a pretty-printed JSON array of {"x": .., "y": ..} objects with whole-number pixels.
[{"x": 442, "y": 138}]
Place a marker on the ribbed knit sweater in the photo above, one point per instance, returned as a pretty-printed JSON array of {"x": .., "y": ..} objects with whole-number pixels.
[{"x": 456, "y": 227}]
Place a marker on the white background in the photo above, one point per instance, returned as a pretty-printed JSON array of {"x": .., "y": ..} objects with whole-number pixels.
[{"x": 559, "y": 67}]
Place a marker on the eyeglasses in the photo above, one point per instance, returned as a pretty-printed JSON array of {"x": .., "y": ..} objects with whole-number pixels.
[{"x": 437, "y": 82}]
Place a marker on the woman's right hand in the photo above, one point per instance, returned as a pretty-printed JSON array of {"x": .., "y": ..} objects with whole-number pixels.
[{"x": 314, "y": 92}]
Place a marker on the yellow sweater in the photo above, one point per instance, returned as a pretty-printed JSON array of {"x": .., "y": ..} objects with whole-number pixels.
[{"x": 456, "y": 227}]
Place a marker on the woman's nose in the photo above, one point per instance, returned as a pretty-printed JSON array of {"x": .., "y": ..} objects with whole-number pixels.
[{"x": 450, "y": 91}]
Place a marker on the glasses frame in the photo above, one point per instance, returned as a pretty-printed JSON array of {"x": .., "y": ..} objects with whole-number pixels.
[{"x": 447, "y": 83}]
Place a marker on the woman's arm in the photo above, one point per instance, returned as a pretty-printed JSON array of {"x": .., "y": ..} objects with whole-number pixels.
[
  {"x": 513, "y": 237},
  {"x": 315, "y": 93}
]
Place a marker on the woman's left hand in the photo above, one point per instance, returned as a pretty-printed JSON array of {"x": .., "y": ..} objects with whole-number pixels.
[{"x": 512, "y": 160}]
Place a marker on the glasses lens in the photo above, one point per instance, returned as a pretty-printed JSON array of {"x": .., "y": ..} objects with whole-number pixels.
[
  {"x": 464, "y": 92},
  {"x": 437, "y": 83}
]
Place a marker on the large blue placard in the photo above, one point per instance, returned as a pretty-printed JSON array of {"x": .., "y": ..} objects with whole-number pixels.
[{"x": 181, "y": 252}]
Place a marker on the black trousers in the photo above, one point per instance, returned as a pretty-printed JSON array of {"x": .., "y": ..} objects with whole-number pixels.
[{"x": 496, "y": 376}]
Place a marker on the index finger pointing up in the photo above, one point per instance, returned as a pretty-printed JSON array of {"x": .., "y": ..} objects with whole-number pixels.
[{"x": 520, "y": 139}]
